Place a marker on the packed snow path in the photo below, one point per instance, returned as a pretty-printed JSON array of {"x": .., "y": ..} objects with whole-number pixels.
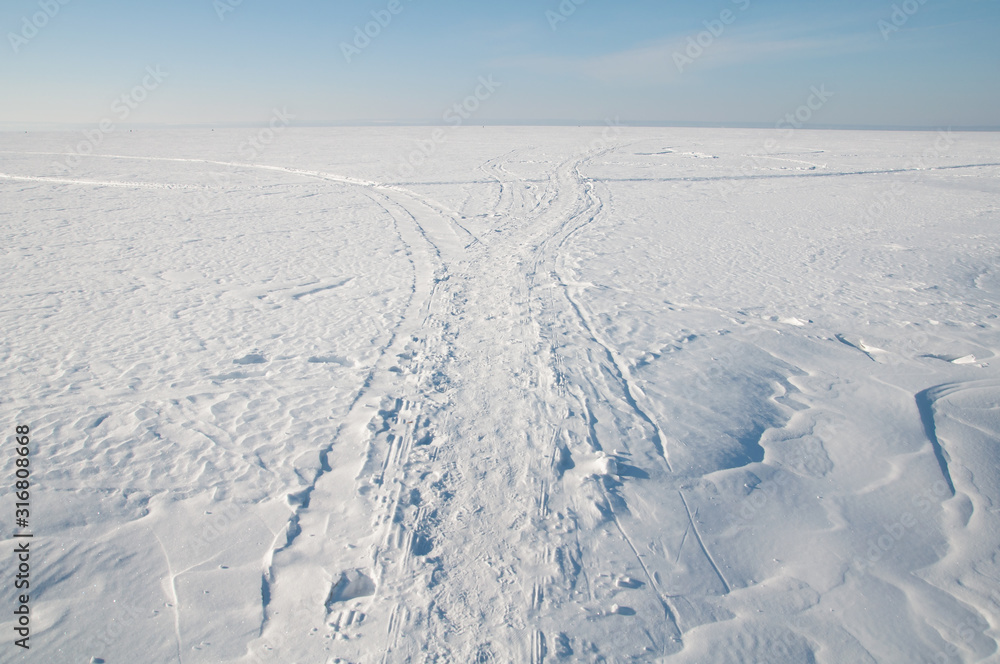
[{"x": 555, "y": 396}]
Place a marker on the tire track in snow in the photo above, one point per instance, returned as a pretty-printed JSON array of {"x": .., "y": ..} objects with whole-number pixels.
[
  {"x": 825, "y": 174},
  {"x": 96, "y": 183},
  {"x": 452, "y": 215},
  {"x": 490, "y": 168},
  {"x": 402, "y": 529},
  {"x": 594, "y": 207},
  {"x": 302, "y": 501},
  {"x": 309, "y": 556},
  {"x": 624, "y": 395},
  {"x": 571, "y": 219},
  {"x": 432, "y": 253}
]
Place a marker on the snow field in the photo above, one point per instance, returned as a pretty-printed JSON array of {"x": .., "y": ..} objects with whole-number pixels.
[{"x": 674, "y": 397}]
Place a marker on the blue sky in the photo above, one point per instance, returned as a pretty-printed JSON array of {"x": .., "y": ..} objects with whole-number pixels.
[{"x": 232, "y": 61}]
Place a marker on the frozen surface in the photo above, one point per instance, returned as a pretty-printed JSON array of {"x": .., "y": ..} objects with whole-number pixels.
[{"x": 552, "y": 395}]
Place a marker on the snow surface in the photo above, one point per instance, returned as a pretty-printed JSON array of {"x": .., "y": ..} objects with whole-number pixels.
[{"x": 553, "y": 395}]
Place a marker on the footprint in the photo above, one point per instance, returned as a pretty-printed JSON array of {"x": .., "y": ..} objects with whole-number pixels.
[
  {"x": 351, "y": 585},
  {"x": 629, "y": 582},
  {"x": 422, "y": 545},
  {"x": 563, "y": 646}
]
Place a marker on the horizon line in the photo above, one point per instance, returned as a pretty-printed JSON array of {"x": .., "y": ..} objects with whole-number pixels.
[{"x": 67, "y": 126}]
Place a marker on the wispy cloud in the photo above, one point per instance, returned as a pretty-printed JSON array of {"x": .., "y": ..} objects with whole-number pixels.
[{"x": 654, "y": 63}]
